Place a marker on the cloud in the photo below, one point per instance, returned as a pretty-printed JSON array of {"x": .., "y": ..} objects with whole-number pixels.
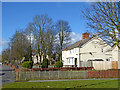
[
  {"x": 75, "y": 37},
  {"x": 3, "y": 42}
]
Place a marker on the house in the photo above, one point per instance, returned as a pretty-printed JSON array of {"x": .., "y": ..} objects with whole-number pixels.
[
  {"x": 37, "y": 58},
  {"x": 91, "y": 52}
]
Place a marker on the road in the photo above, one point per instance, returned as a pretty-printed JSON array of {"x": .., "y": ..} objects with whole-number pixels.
[{"x": 7, "y": 75}]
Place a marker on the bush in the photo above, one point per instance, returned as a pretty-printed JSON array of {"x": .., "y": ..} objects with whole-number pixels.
[
  {"x": 27, "y": 64},
  {"x": 45, "y": 63},
  {"x": 58, "y": 64}
]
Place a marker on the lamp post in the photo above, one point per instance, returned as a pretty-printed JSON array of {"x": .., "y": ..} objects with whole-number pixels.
[{"x": 10, "y": 56}]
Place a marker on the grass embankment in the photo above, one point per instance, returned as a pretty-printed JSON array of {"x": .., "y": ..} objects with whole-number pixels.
[{"x": 65, "y": 84}]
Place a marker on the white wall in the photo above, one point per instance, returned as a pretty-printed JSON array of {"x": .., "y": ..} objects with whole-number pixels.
[
  {"x": 96, "y": 46},
  {"x": 69, "y": 56},
  {"x": 102, "y": 65},
  {"x": 118, "y": 59},
  {"x": 35, "y": 59},
  {"x": 97, "y": 49},
  {"x": 115, "y": 53}
]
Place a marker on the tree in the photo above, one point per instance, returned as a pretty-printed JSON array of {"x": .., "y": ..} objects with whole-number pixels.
[
  {"x": 63, "y": 35},
  {"x": 103, "y": 18},
  {"x": 6, "y": 55},
  {"x": 19, "y": 46},
  {"x": 42, "y": 30},
  {"x": 30, "y": 37},
  {"x": 50, "y": 37}
]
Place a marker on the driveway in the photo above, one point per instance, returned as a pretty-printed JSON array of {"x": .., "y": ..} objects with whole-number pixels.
[{"x": 7, "y": 75}]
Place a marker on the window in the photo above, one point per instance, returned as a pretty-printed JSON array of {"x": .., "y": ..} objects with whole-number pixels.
[
  {"x": 70, "y": 51},
  {"x": 107, "y": 59},
  {"x": 72, "y": 60},
  {"x": 102, "y": 50},
  {"x": 69, "y": 60},
  {"x": 73, "y": 50}
]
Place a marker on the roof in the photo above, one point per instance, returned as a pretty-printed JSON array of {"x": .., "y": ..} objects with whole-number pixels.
[{"x": 78, "y": 43}]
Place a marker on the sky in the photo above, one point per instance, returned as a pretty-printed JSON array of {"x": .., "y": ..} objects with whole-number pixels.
[{"x": 17, "y": 15}]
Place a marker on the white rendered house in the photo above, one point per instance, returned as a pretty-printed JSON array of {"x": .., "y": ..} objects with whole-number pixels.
[{"x": 91, "y": 52}]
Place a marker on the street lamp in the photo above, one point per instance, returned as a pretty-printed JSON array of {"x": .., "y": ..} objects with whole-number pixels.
[{"x": 10, "y": 54}]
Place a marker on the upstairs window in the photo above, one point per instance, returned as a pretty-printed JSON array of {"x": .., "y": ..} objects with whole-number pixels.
[
  {"x": 107, "y": 59},
  {"x": 102, "y": 50},
  {"x": 75, "y": 50},
  {"x": 67, "y": 61}
]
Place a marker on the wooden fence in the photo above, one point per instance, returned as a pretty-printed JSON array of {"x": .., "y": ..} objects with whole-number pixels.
[
  {"x": 33, "y": 75},
  {"x": 104, "y": 74},
  {"x": 45, "y": 75},
  {"x": 64, "y": 73}
]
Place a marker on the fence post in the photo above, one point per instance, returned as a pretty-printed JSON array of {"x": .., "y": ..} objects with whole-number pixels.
[
  {"x": 17, "y": 77},
  {"x": 58, "y": 74},
  {"x": 49, "y": 74}
]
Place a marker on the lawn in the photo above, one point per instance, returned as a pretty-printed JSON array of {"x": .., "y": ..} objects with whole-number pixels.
[{"x": 65, "y": 84}]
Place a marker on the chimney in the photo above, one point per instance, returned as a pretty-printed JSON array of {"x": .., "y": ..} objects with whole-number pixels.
[{"x": 85, "y": 35}]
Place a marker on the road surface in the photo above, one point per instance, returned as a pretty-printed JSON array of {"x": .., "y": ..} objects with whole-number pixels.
[{"x": 7, "y": 74}]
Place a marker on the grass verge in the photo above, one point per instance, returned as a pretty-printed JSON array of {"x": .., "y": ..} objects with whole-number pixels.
[{"x": 65, "y": 84}]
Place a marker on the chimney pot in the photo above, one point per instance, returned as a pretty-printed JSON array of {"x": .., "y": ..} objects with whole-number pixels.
[{"x": 85, "y": 35}]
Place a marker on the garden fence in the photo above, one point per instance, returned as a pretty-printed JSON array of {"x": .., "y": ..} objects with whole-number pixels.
[{"x": 35, "y": 75}]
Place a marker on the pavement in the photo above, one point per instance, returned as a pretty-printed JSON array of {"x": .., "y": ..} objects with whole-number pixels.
[
  {"x": 72, "y": 79},
  {"x": 7, "y": 74}
]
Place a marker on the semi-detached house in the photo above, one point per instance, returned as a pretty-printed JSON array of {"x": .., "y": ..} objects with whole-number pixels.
[{"x": 91, "y": 52}]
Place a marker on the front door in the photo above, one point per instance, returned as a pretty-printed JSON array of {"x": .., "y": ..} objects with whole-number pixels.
[{"x": 75, "y": 62}]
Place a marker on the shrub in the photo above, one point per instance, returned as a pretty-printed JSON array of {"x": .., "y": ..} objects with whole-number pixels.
[
  {"x": 59, "y": 64},
  {"x": 27, "y": 64},
  {"x": 45, "y": 63}
]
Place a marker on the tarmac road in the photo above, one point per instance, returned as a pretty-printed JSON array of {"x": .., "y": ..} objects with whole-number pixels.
[{"x": 7, "y": 75}]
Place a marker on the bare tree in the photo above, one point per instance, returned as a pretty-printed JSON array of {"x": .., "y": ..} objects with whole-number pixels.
[
  {"x": 50, "y": 37},
  {"x": 103, "y": 18},
  {"x": 63, "y": 35},
  {"x": 18, "y": 44},
  {"x": 5, "y": 55},
  {"x": 40, "y": 26},
  {"x": 29, "y": 36}
]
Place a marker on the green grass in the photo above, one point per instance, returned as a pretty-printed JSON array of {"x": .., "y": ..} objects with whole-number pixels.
[{"x": 65, "y": 84}]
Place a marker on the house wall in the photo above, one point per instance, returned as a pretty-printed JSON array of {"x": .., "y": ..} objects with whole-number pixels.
[
  {"x": 69, "y": 56},
  {"x": 35, "y": 58},
  {"x": 94, "y": 49},
  {"x": 116, "y": 58},
  {"x": 119, "y": 59},
  {"x": 102, "y": 65},
  {"x": 115, "y": 53}
]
